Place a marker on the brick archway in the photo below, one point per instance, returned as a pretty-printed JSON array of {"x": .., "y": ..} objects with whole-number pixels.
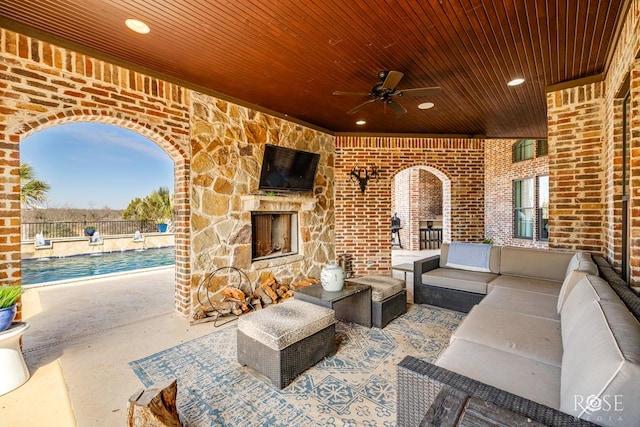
[
  {"x": 181, "y": 179},
  {"x": 414, "y": 193}
]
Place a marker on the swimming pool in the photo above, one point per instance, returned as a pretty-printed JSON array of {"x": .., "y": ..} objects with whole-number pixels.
[{"x": 57, "y": 269}]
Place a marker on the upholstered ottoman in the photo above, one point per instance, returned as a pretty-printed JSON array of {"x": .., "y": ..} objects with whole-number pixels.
[
  {"x": 388, "y": 297},
  {"x": 284, "y": 340}
]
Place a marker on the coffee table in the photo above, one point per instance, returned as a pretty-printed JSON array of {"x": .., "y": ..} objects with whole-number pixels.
[{"x": 352, "y": 303}]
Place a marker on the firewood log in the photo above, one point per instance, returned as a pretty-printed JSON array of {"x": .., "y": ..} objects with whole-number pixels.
[
  {"x": 270, "y": 281},
  {"x": 233, "y": 293},
  {"x": 263, "y": 296},
  {"x": 270, "y": 292},
  {"x": 154, "y": 406}
]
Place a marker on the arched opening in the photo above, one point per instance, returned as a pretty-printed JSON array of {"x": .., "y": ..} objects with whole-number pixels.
[
  {"x": 421, "y": 198},
  {"x": 180, "y": 184}
]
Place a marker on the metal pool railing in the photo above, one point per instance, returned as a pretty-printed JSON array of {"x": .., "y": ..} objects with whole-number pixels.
[{"x": 61, "y": 229}]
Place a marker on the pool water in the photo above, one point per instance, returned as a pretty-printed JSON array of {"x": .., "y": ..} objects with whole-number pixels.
[{"x": 57, "y": 269}]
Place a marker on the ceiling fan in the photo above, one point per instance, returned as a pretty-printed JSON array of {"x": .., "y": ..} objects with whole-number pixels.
[{"x": 386, "y": 91}]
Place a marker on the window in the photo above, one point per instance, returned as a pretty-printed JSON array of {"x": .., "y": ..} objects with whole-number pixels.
[
  {"x": 523, "y": 214},
  {"x": 543, "y": 207},
  {"x": 523, "y": 150},
  {"x": 542, "y": 148}
]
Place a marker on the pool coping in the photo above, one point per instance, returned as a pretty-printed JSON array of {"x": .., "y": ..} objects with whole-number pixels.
[{"x": 77, "y": 280}]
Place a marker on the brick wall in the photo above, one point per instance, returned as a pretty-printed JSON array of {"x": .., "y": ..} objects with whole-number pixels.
[
  {"x": 431, "y": 199},
  {"x": 500, "y": 172},
  {"x": 401, "y": 204},
  {"x": 416, "y": 197},
  {"x": 43, "y": 85},
  {"x": 576, "y": 138},
  {"x": 363, "y": 220}
]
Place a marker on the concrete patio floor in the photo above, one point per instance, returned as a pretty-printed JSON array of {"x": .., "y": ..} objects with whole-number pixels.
[{"x": 82, "y": 336}]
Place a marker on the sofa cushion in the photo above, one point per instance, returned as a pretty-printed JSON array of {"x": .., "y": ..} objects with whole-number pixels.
[
  {"x": 494, "y": 257},
  {"x": 469, "y": 256},
  {"x": 382, "y": 287},
  {"x": 522, "y": 301},
  {"x": 588, "y": 290},
  {"x": 580, "y": 265},
  {"x": 528, "y": 336},
  {"x": 582, "y": 261},
  {"x": 567, "y": 286},
  {"x": 530, "y": 284},
  {"x": 601, "y": 364},
  {"x": 462, "y": 280},
  {"x": 280, "y": 325},
  {"x": 539, "y": 263},
  {"x": 519, "y": 375}
]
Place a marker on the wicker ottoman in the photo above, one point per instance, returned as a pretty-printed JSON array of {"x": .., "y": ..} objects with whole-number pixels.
[
  {"x": 284, "y": 340},
  {"x": 388, "y": 298}
]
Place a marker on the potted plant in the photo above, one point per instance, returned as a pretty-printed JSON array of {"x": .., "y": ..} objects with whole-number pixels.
[
  {"x": 9, "y": 296},
  {"x": 161, "y": 225},
  {"x": 89, "y": 230}
]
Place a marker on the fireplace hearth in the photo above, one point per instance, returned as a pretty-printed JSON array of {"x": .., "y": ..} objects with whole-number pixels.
[{"x": 273, "y": 234}]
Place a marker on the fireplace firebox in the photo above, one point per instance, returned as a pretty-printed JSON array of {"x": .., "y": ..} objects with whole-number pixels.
[{"x": 273, "y": 234}]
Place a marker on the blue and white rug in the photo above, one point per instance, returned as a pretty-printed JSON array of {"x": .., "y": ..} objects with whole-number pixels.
[{"x": 355, "y": 387}]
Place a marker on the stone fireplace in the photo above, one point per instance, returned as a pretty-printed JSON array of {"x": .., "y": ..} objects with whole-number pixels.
[
  {"x": 227, "y": 150},
  {"x": 279, "y": 225},
  {"x": 273, "y": 234}
]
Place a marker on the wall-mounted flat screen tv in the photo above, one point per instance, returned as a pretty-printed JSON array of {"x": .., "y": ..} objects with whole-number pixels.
[{"x": 286, "y": 169}]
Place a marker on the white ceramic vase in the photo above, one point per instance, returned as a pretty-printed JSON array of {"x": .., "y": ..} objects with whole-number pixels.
[{"x": 332, "y": 278}]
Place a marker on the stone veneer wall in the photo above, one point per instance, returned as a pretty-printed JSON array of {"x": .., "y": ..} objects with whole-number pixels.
[
  {"x": 500, "y": 172},
  {"x": 363, "y": 220},
  {"x": 43, "y": 85},
  {"x": 227, "y": 145}
]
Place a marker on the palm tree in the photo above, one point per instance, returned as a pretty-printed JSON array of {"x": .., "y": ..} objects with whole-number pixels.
[
  {"x": 156, "y": 206},
  {"x": 33, "y": 192}
]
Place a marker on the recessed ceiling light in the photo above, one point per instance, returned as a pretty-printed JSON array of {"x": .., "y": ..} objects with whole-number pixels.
[
  {"x": 426, "y": 105},
  {"x": 137, "y": 26},
  {"x": 361, "y": 122},
  {"x": 516, "y": 82}
]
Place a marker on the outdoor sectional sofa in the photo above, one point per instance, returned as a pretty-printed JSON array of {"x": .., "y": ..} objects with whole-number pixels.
[{"x": 553, "y": 337}]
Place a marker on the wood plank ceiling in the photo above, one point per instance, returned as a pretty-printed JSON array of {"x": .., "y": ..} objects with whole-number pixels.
[{"x": 289, "y": 56}]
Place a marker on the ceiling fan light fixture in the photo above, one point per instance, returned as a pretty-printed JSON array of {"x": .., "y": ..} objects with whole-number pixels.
[
  {"x": 137, "y": 26},
  {"x": 361, "y": 122},
  {"x": 516, "y": 82},
  {"x": 426, "y": 105}
]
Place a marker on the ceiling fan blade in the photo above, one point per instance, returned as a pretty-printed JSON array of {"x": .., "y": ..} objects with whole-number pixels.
[
  {"x": 421, "y": 91},
  {"x": 392, "y": 80},
  {"x": 361, "y": 106},
  {"x": 342, "y": 93},
  {"x": 396, "y": 107}
]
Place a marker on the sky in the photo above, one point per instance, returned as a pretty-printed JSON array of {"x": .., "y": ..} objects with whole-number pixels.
[{"x": 95, "y": 165}]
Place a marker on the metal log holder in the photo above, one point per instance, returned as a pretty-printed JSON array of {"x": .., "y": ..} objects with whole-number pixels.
[{"x": 242, "y": 283}]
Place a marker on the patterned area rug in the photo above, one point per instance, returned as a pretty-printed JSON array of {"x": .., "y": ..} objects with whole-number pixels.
[{"x": 355, "y": 387}]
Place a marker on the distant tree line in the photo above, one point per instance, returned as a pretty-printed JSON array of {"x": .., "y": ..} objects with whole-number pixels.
[{"x": 71, "y": 214}]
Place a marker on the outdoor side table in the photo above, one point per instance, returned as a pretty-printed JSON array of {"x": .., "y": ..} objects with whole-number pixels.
[
  {"x": 352, "y": 303},
  {"x": 13, "y": 370}
]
